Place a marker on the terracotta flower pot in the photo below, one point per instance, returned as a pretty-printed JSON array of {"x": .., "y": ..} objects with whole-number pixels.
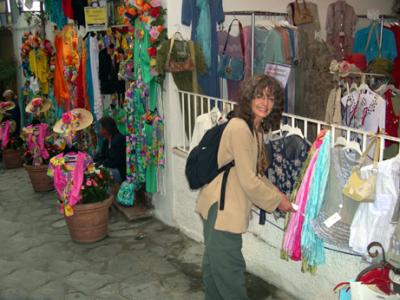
[
  {"x": 89, "y": 222},
  {"x": 39, "y": 179},
  {"x": 12, "y": 158}
]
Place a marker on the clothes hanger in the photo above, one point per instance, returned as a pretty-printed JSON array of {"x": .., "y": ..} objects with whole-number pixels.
[
  {"x": 292, "y": 131},
  {"x": 353, "y": 145},
  {"x": 340, "y": 141}
]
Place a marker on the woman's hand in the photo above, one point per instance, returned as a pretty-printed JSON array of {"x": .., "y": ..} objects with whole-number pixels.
[{"x": 285, "y": 204}]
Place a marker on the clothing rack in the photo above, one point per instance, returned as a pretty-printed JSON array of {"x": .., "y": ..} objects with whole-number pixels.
[{"x": 253, "y": 15}]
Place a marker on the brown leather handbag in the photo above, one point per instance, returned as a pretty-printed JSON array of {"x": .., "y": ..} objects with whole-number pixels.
[
  {"x": 181, "y": 57},
  {"x": 301, "y": 15}
]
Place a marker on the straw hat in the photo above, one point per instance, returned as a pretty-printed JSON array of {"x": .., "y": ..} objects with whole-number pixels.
[
  {"x": 73, "y": 121},
  {"x": 38, "y": 105},
  {"x": 8, "y": 92}
]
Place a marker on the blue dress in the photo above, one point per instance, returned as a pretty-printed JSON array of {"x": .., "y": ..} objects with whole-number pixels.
[
  {"x": 209, "y": 82},
  {"x": 286, "y": 156}
]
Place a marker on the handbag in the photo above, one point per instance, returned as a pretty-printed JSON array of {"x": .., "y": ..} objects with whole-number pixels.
[
  {"x": 300, "y": 15},
  {"x": 182, "y": 59},
  {"x": 363, "y": 190},
  {"x": 229, "y": 67}
]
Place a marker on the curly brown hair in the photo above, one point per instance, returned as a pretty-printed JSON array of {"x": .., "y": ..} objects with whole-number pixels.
[{"x": 256, "y": 86}]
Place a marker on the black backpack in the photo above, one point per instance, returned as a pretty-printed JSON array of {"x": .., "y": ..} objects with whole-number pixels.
[{"x": 202, "y": 163}]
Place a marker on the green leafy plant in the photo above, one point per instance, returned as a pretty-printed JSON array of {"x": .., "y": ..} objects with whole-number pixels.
[
  {"x": 95, "y": 187},
  {"x": 15, "y": 143},
  {"x": 8, "y": 70}
]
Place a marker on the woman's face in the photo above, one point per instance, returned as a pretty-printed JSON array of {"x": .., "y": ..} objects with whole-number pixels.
[{"x": 262, "y": 105}]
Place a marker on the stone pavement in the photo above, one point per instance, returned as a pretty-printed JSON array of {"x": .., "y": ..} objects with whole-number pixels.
[{"x": 142, "y": 260}]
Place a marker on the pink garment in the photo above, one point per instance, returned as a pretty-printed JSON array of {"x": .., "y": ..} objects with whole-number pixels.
[
  {"x": 292, "y": 238},
  {"x": 247, "y": 51},
  {"x": 42, "y": 133},
  {"x": 5, "y": 134},
  {"x": 61, "y": 182}
]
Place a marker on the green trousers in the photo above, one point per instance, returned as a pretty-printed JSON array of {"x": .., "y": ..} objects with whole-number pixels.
[{"x": 223, "y": 263}]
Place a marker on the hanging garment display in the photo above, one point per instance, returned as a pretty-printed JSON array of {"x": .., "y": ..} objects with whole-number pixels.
[
  {"x": 291, "y": 245},
  {"x": 372, "y": 221},
  {"x": 53, "y": 9},
  {"x": 313, "y": 78},
  {"x": 204, "y": 31},
  {"x": 312, "y": 247},
  {"x": 341, "y": 21},
  {"x": 94, "y": 70},
  {"x": 364, "y": 109},
  {"x": 342, "y": 163},
  {"x": 60, "y": 85},
  {"x": 286, "y": 156},
  {"x": 367, "y": 41},
  {"x": 107, "y": 71},
  {"x": 186, "y": 80},
  {"x": 229, "y": 67},
  {"x": 333, "y": 113}
]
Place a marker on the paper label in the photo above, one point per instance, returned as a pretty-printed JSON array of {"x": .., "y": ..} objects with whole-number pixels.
[
  {"x": 279, "y": 72},
  {"x": 332, "y": 220}
]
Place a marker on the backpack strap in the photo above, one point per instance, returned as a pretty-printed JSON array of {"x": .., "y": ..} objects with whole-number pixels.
[{"x": 226, "y": 169}]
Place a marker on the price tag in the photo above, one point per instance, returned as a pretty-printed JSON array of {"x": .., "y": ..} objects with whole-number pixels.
[{"x": 332, "y": 220}]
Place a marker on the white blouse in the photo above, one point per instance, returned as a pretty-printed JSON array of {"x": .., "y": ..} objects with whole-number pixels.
[{"x": 372, "y": 221}]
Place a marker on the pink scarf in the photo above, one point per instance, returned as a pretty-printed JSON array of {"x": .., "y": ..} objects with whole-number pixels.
[
  {"x": 5, "y": 134},
  {"x": 292, "y": 238},
  {"x": 60, "y": 180},
  {"x": 40, "y": 140}
]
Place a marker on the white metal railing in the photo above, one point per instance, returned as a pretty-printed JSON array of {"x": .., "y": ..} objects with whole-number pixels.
[{"x": 193, "y": 105}]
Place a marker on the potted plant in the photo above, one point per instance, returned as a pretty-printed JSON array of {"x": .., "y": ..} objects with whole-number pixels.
[
  {"x": 89, "y": 222},
  {"x": 39, "y": 146},
  {"x": 38, "y": 172},
  {"x": 12, "y": 156}
]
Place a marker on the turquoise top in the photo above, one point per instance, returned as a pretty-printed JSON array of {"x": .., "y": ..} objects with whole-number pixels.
[
  {"x": 268, "y": 49},
  {"x": 389, "y": 49},
  {"x": 312, "y": 247}
]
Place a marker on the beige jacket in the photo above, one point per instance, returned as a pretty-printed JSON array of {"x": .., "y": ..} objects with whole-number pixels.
[{"x": 244, "y": 188}]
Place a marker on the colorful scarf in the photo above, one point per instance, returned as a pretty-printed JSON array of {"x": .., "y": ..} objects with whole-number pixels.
[
  {"x": 5, "y": 134},
  {"x": 37, "y": 147},
  {"x": 72, "y": 197}
]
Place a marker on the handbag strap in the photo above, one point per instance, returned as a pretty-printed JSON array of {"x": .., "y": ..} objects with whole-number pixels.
[
  {"x": 241, "y": 35},
  {"x": 173, "y": 38},
  {"x": 373, "y": 29},
  {"x": 298, "y": 5},
  {"x": 375, "y": 141}
]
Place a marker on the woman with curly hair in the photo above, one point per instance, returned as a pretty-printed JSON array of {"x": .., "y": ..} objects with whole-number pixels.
[{"x": 260, "y": 107}]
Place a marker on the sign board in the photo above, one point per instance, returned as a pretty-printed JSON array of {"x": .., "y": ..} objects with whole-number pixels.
[
  {"x": 278, "y": 71},
  {"x": 96, "y": 18}
]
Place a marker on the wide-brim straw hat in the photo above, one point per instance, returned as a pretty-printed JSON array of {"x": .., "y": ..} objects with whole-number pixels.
[
  {"x": 7, "y": 92},
  {"x": 44, "y": 106},
  {"x": 6, "y": 105},
  {"x": 83, "y": 119}
]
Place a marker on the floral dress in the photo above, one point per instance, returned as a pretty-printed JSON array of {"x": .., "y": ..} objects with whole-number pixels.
[{"x": 286, "y": 156}]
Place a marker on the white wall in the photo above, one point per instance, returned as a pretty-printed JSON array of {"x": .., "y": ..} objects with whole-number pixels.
[{"x": 175, "y": 205}]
